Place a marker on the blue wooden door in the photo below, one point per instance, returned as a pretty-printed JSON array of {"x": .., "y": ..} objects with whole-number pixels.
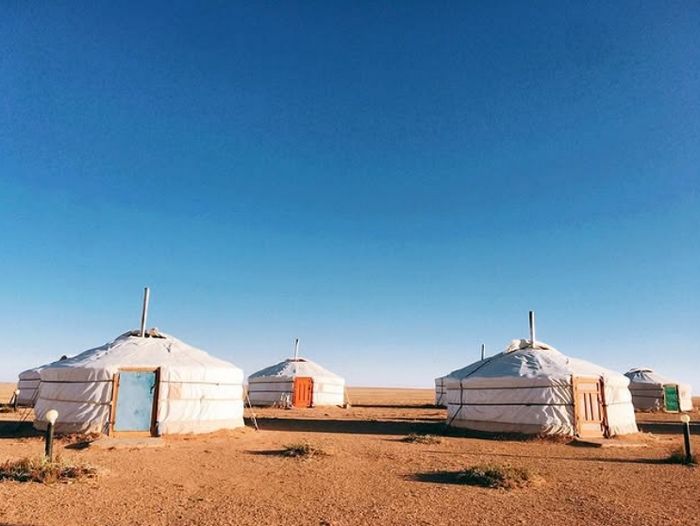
[{"x": 135, "y": 398}]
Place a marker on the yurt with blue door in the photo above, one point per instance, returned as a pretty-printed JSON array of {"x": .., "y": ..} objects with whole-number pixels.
[{"x": 144, "y": 382}]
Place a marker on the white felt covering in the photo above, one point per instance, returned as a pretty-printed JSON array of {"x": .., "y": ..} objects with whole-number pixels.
[
  {"x": 274, "y": 384},
  {"x": 197, "y": 392},
  {"x": 647, "y": 387},
  {"x": 527, "y": 389}
]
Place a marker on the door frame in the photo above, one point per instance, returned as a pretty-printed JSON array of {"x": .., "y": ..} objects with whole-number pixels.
[
  {"x": 601, "y": 402},
  {"x": 153, "y": 431}
]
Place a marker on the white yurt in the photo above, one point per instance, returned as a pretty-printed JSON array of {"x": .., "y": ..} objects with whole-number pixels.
[
  {"x": 441, "y": 383},
  {"x": 28, "y": 385},
  {"x": 296, "y": 382},
  {"x": 152, "y": 384},
  {"x": 441, "y": 390},
  {"x": 654, "y": 392},
  {"x": 535, "y": 389}
]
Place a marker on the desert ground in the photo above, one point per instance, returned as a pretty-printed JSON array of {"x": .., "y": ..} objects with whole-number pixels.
[{"x": 368, "y": 475}]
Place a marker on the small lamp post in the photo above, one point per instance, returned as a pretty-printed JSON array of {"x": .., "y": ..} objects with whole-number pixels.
[
  {"x": 15, "y": 401},
  {"x": 686, "y": 438},
  {"x": 51, "y": 417}
]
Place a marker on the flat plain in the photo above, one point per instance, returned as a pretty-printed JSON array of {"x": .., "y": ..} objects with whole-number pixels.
[{"x": 367, "y": 474}]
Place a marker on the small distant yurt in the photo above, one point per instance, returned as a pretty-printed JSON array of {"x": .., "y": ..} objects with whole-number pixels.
[
  {"x": 654, "y": 392},
  {"x": 532, "y": 388},
  {"x": 150, "y": 384},
  {"x": 441, "y": 391},
  {"x": 28, "y": 385},
  {"x": 296, "y": 382},
  {"x": 441, "y": 384}
]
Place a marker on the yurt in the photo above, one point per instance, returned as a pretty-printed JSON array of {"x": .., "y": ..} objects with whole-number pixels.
[
  {"x": 144, "y": 382},
  {"x": 28, "y": 385},
  {"x": 441, "y": 384},
  {"x": 441, "y": 391},
  {"x": 654, "y": 392},
  {"x": 296, "y": 382},
  {"x": 532, "y": 388}
]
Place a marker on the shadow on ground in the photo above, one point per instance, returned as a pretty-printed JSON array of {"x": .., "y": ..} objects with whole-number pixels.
[
  {"x": 439, "y": 477},
  {"x": 15, "y": 429},
  {"x": 611, "y": 460},
  {"x": 269, "y": 453},
  {"x": 397, "y": 406},
  {"x": 363, "y": 427},
  {"x": 667, "y": 428},
  {"x": 83, "y": 444}
]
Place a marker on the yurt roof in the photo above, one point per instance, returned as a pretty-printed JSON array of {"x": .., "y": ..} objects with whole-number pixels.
[
  {"x": 521, "y": 359},
  {"x": 645, "y": 375},
  {"x": 292, "y": 367},
  {"x": 455, "y": 373},
  {"x": 157, "y": 349},
  {"x": 35, "y": 372},
  {"x": 31, "y": 374}
]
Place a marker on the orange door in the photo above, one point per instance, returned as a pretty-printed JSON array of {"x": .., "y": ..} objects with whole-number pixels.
[
  {"x": 303, "y": 391},
  {"x": 589, "y": 411}
]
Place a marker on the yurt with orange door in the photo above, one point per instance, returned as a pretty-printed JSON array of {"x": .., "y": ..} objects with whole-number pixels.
[{"x": 296, "y": 382}]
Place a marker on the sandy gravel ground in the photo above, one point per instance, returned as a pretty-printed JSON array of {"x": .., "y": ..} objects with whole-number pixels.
[{"x": 367, "y": 477}]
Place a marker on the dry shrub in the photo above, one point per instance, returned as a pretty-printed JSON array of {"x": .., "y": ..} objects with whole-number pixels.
[
  {"x": 42, "y": 470},
  {"x": 415, "y": 438},
  {"x": 302, "y": 450},
  {"x": 492, "y": 476},
  {"x": 677, "y": 456}
]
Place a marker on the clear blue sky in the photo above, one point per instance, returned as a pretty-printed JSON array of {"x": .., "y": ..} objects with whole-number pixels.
[{"x": 393, "y": 182}]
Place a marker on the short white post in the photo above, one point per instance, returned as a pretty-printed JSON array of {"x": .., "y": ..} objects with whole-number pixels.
[
  {"x": 144, "y": 311},
  {"x": 532, "y": 327},
  {"x": 483, "y": 351},
  {"x": 296, "y": 349},
  {"x": 51, "y": 417}
]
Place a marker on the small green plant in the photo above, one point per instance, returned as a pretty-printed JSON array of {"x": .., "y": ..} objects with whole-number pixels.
[
  {"x": 415, "y": 438},
  {"x": 677, "y": 456},
  {"x": 302, "y": 450},
  {"x": 42, "y": 470},
  {"x": 492, "y": 476}
]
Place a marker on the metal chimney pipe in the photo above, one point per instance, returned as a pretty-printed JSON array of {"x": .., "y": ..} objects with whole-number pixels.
[
  {"x": 144, "y": 312},
  {"x": 483, "y": 351},
  {"x": 532, "y": 327},
  {"x": 296, "y": 349}
]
